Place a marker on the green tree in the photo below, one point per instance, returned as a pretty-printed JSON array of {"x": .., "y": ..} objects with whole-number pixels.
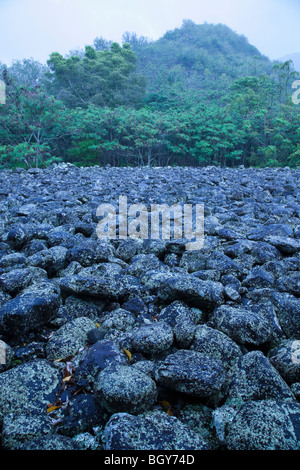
[
  {"x": 106, "y": 77},
  {"x": 32, "y": 126}
]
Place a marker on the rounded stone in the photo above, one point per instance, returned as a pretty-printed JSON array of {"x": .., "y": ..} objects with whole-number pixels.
[
  {"x": 152, "y": 431},
  {"x": 19, "y": 428},
  {"x": 69, "y": 338},
  {"x": 242, "y": 325},
  {"x": 286, "y": 359},
  {"x": 216, "y": 344},
  {"x": 192, "y": 373},
  {"x": 154, "y": 338},
  {"x": 29, "y": 387},
  {"x": 265, "y": 425},
  {"x": 125, "y": 389}
]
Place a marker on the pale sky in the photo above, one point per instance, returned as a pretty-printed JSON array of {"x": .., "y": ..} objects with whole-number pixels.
[{"x": 35, "y": 28}]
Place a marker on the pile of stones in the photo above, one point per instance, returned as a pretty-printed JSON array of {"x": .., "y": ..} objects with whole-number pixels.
[{"x": 132, "y": 343}]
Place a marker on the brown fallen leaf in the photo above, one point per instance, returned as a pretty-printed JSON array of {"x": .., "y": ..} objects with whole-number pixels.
[
  {"x": 52, "y": 408},
  {"x": 67, "y": 378},
  {"x": 128, "y": 354},
  {"x": 167, "y": 406}
]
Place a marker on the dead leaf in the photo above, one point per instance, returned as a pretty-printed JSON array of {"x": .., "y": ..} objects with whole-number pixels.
[
  {"x": 128, "y": 354},
  {"x": 67, "y": 378},
  {"x": 52, "y": 408},
  {"x": 167, "y": 406}
]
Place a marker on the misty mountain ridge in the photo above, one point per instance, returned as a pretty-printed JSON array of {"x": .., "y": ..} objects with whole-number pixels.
[{"x": 205, "y": 58}]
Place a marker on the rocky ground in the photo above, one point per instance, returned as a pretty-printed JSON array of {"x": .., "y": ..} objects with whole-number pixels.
[{"x": 130, "y": 344}]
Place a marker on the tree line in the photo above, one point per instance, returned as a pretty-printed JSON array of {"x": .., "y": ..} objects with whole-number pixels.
[{"x": 188, "y": 99}]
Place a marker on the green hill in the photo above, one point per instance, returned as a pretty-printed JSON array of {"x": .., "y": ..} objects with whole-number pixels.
[{"x": 203, "y": 59}]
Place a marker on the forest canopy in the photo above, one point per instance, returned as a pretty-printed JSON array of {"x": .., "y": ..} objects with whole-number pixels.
[{"x": 200, "y": 95}]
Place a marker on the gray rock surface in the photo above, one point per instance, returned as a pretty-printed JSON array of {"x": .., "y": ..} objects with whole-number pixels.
[
  {"x": 265, "y": 425},
  {"x": 153, "y": 431},
  {"x": 144, "y": 344},
  {"x": 29, "y": 387},
  {"x": 123, "y": 388},
  {"x": 192, "y": 373}
]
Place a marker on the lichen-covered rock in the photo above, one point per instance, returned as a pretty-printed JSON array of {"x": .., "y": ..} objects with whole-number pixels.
[
  {"x": 119, "y": 319},
  {"x": 15, "y": 280},
  {"x": 193, "y": 261},
  {"x": 263, "y": 231},
  {"x": 51, "y": 260},
  {"x": 258, "y": 278},
  {"x": 263, "y": 252},
  {"x": 295, "y": 388},
  {"x": 127, "y": 249},
  {"x": 288, "y": 311},
  {"x": 285, "y": 357},
  {"x": 84, "y": 253},
  {"x": 184, "y": 332},
  {"x": 241, "y": 325},
  {"x": 221, "y": 262},
  {"x": 212, "y": 328},
  {"x": 90, "y": 307},
  {"x": 69, "y": 338},
  {"x": 216, "y": 344},
  {"x": 32, "y": 350},
  {"x": 102, "y": 287},
  {"x": 178, "y": 311},
  {"x": 34, "y": 307},
  {"x": 287, "y": 245},
  {"x": 13, "y": 261},
  {"x": 254, "y": 378},
  {"x": 153, "y": 339},
  {"x": 82, "y": 415},
  {"x": 144, "y": 262},
  {"x": 6, "y": 356},
  {"x": 125, "y": 389},
  {"x": 173, "y": 286},
  {"x": 265, "y": 425},
  {"x": 100, "y": 355},
  {"x": 29, "y": 387},
  {"x": 290, "y": 284},
  {"x": 192, "y": 373},
  {"x": 21, "y": 427},
  {"x": 152, "y": 431},
  {"x": 17, "y": 237},
  {"x": 199, "y": 418},
  {"x": 4, "y": 297}
]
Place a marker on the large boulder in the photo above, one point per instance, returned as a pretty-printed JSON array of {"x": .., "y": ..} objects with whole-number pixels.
[
  {"x": 29, "y": 388},
  {"x": 192, "y": 373},
  {"x": 216, "y": 344},
  {"x": 33, "y": 308},
  {"x": 265, "y": 425},
  {"x": 122, "y": 388},
  {"x": 69, "y": 338},
  {"x": 152, "y": 431},
  {"x": 153, "y": 339},
  {"x": 174, "y": 286},
  {"x": 254, "y": 378},
  {"x": 241, "y": 324}
]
